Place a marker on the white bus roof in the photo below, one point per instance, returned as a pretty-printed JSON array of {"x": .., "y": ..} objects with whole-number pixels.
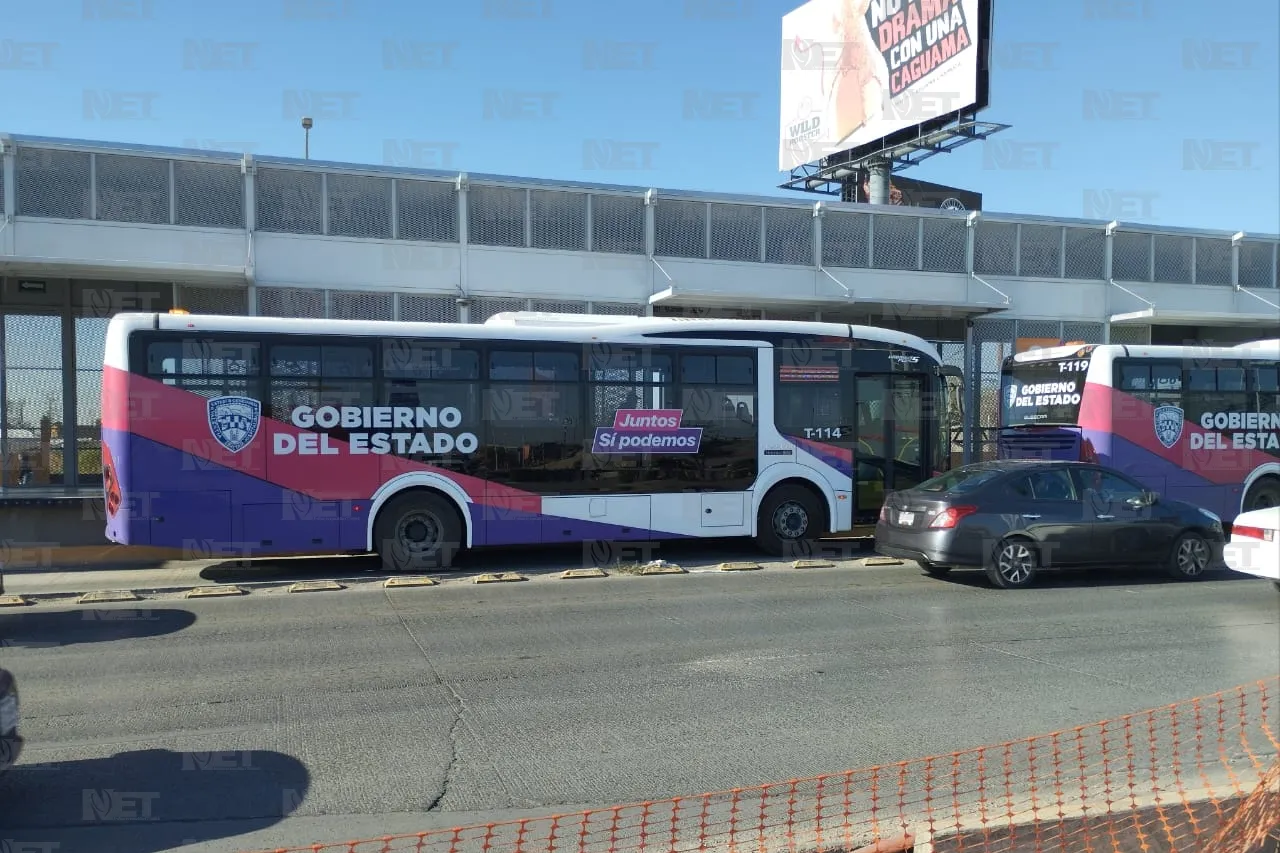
[
  {"x": 518, "y": 325},
  {"x": 1265, "y": 349}
]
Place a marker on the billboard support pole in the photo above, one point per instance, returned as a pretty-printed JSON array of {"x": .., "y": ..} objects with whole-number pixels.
[{"x": 878, "y": 192}]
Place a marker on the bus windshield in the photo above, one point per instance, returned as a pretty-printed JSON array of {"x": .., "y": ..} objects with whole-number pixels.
[{"x": 1043, "y": 393}]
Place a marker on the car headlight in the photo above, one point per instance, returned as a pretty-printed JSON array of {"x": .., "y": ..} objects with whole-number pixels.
[{"x": 1214, "y": 521}]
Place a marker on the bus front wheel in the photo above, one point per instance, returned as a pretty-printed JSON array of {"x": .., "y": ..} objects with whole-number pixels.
[
  {"x": 417, "y": 531},
  {"x": 791, "y": 520}
]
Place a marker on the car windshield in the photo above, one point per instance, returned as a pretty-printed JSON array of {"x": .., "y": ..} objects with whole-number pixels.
[{"x": 960, "y": 480}]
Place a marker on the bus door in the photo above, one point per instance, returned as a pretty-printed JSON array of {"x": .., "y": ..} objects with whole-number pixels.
[{"x": 893, "y": 441}]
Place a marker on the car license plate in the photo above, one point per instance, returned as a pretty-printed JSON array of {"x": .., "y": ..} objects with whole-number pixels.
[
  {"x": 8, "y": 714},
  {"x": 906, "y": 518}
]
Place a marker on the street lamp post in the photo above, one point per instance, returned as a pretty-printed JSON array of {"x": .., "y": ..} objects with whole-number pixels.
[{"x": 306, "y": 129}]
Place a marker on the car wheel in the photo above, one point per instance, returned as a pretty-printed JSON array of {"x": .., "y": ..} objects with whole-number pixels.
[
  {"x": 418, "y": 531},
  {"x": 1191, "y": 557},
  {"x": 1013, "y": 565},
  {"x": 789, "y": 523}
]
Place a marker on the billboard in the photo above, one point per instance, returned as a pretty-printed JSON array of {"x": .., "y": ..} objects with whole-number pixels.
[
  {"x": 858, "y": 73},
  {"x": 912, "y": 193}
]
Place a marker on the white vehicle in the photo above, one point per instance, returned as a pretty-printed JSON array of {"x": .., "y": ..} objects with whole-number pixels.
[
  {"x": 418, "y": 440},
  {"x": 1254, "y": 547}
]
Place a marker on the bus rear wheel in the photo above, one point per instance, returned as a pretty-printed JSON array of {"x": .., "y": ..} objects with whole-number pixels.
[
  {"x": 1263, "y": 494},
  {"x": 418, "y": 531}
]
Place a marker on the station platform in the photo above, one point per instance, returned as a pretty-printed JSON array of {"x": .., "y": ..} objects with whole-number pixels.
[{"x": 47, "y": 527}]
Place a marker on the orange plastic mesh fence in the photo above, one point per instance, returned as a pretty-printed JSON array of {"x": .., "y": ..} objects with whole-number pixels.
[{"x": 1200, "y": 776}]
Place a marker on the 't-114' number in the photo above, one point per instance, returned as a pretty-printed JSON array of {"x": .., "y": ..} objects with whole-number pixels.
[{"x": 823, "y": 432}]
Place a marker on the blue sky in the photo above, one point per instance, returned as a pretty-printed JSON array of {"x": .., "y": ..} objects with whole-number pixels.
[{"x": 132, "y": 56}]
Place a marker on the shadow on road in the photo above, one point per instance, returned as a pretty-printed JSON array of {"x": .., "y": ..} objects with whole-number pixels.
[
  {"x": 1062, "y": 578},
  {"x": 147, "y": 801},
  {"x": 41, "y": 629}
]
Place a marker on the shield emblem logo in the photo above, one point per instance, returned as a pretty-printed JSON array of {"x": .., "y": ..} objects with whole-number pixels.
[
  {"x": 1168, "y": 422},
  {"x": 233, "y": 421}
]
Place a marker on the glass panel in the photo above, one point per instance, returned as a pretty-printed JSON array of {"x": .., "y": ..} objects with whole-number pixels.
[
  {"x": 870, "y": 455},
  {"x": 908, "y": 432},
  {"x": 33, "y": 434},
  {"x": 412, "y": 360},
  {"x": 91, "y": 336}
]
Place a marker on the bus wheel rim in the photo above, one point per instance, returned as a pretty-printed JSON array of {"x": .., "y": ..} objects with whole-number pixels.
[
  {"x": 790, "y": 521},
  {"x": 419, "y": 532}
]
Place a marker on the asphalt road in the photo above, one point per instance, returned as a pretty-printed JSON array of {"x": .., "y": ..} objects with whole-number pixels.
[{"x": 370, "y": 711}]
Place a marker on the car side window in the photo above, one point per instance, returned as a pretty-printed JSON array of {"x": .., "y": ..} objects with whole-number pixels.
[
  {"x": 1109, "y": 487},
  {"x": 1052, "y": 485}
]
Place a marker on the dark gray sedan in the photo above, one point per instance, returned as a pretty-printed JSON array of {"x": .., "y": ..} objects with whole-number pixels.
[
  {"x": 10, "y": 718},
  {"x": 1016, "y": 518}
]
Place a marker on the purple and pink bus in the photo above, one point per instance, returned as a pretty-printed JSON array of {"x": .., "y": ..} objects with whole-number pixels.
[{"x": 1197, "y": 424}]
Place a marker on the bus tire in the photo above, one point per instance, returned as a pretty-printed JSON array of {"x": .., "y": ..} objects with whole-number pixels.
[
  {"x": 418, "y": 530},
  {"x": 1263, "y": 494},
  {"x": 791, "y": 519}
]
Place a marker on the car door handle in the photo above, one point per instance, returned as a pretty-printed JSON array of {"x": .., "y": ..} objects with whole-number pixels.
[
  {"x": 1106, "y": 516},
  {"x": 1029, "y": 515}
]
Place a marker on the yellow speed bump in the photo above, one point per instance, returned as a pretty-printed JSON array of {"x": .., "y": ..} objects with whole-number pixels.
[
  {"x": 883, "y": 561},
  {"x": 390, "y": 582},
  {"x": 313, "y": 586},
  {"x": 504, "y": 577},
  {"x": 812, "y": 564},
  {"x": 13, "y": 601},
  {"x": 213, "y": 591},
  {"x": 107, "y": 595},
  {"x": 569, "y": 574},
  {"x": 739, "y": 567},
  {"x": 661, "y": 567}
]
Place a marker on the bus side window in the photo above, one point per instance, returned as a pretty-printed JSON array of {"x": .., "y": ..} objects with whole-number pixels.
[{"x": 1266, "y": 388}]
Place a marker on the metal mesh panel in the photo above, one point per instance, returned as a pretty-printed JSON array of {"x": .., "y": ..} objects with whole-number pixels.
[
  {"x": 1040, "y": 329},
  {"x": 3, "y": 207},
  {"x": 361, "y": 305},
  {"x": 209, "y": 195},
  {"x": 1131, "y": 256},
  {"x": 558, "y": 220},
  {"x": 617, "y": 309},
  {"x": 1040, "y": 251},
  {"x": 617, "y": 224},
  {"x": 944, "y": 245},
  {"x": 132, "y": 189},
  {"x": 52, "y": 183},
  {"x": 290, "y": 302},
  {"x": 1131, "y": 335},
  {"x": 359, "y": 206},
  {"x": 1090, "y": 333},
  {"x": 735, "y": 232},
  {"x": 680, "y": 229},
  {"x": 32, "y": 399},
  {"x": 213, "y": 300},
  {"x": 1213, "y": 261},
  {"x": 554, "y": 307},
  {"x": 788, "y": 236},
  {"x": 895, "y": 242},
  {"x": 995, "y": 248},
  {"x": 1086, "y": 253},
  {"x": 484, "y": 308},
  {"x": 427, "y": 210},
  {"x": 845, "y": 239},
  {"x": 496, "y": 216},
  {"x": 1173, "y": 259},
  {"x": 428, "y": 309},
  {"x": 1257, "y": 264},
  {"x": 288, "y": 201},
  {"x": 91, "y": 336},
  {"x": 993, "y": 340}
]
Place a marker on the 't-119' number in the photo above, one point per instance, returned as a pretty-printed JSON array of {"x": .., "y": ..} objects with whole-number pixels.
[
  {"x": 823, "y": 432},
  {"x": 1073, "y": 366}
]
